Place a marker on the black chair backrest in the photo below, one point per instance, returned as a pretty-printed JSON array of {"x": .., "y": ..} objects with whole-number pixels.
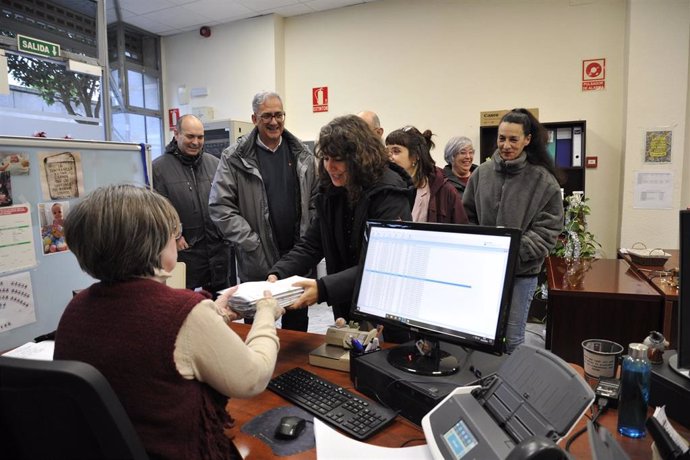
[{"x": 62, "y": 409}]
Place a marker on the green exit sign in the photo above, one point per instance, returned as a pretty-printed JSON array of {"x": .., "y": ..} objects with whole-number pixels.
[{"x": 36, "y": 46}]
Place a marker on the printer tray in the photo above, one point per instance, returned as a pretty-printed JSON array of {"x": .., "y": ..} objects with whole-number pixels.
[{"x": 535, "y": 392}]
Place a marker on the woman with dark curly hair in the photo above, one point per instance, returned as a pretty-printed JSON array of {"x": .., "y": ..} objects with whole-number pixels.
[
  {"x": 356, "y": 183},
  {"x": 436, "y": 200}
]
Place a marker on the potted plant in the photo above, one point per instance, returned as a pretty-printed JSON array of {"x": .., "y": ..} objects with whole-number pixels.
[
  {"x": 576, "y": 245},
  {"x": 576, "y": 242}
]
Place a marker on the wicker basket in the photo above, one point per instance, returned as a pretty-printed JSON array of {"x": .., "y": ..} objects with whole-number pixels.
[{"x": 640, "y": 255}]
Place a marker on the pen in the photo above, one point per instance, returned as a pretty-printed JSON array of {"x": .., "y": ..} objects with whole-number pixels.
[
  {"x": 357, "y": 346},
  {"x": 373, "y": 345}
]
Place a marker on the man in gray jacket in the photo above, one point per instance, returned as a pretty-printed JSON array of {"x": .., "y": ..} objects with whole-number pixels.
[{"x": 262, "y": 197}]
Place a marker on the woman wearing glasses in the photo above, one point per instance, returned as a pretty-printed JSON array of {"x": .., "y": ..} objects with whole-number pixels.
[
  {"x": 168, "y": 353},
  {"x": 356, "y": 183},
  {"x": 459, "y": 154},
  {"x": 519, "y": 188},
  {"x": 436, "y": 200}
]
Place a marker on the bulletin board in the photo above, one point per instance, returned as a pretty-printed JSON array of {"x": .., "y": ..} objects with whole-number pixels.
[{"x": 44, "y": 178}]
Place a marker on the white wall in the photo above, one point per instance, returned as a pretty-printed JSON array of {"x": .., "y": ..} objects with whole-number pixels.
[
  {"x": 656, "y": 100},
  {"x": 437, "y": 64},
  {"x": 236, "y": 62}
]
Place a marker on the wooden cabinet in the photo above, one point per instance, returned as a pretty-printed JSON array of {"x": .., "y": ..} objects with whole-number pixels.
[
  {"x": 598, "y": 299},
  {"x": 567, "y": 146}
]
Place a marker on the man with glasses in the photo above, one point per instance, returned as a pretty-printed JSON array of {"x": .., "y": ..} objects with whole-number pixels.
[
  {"x": 262, "y": 197},
  {"x": 183, "y": 174}
]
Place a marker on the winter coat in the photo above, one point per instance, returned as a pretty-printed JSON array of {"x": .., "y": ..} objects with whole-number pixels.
[
  {"x": 518, "y": 194},
  {"x": 239, "y": 205}
]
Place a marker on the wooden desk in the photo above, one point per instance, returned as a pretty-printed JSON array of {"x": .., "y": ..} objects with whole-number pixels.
[
  {"x": 294, "y": 351},
  {"x": 668, "y": 290},
  {"x": 597, "y": 299}
]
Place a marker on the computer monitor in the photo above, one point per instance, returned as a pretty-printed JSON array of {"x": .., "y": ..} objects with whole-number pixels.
[
  {"x": 444, "y": 283},
  {"x": 681, "y": 361}
]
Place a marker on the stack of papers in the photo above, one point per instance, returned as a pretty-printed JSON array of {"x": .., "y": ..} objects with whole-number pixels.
[{"x": 243, "y": 301}]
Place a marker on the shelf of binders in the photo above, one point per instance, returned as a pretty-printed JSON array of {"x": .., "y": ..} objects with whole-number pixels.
[{"x": 567, "y": 146}]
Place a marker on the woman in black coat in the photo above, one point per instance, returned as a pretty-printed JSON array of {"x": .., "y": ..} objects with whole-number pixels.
[{"x": 357, "y": 183}]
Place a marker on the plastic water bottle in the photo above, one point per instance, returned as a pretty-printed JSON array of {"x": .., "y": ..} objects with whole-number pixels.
[{"x": 634, "y": 396}]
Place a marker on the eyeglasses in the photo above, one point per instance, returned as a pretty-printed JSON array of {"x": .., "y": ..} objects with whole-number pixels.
[
  {"x": 266, "y": 117},
  {"x": 178, "y": 233},
  {"x": 466, "y": 151}
]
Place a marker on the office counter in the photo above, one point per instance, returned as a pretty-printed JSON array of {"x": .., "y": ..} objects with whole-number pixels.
[
  {"x": 294, "y": 351},
  {"x": 598, "y": 299},
  {"x": 665, "y": 287}
]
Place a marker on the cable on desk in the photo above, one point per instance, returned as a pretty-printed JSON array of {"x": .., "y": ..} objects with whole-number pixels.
[{"x": 602, "y": 404}]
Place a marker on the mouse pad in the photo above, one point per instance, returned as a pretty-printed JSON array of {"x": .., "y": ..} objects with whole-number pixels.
[{"x": 264, "y": 426}]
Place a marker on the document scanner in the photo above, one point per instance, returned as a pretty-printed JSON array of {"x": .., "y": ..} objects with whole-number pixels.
[{"x": 534, "y": 394}]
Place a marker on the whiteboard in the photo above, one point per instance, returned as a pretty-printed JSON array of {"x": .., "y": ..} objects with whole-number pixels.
[{"x": 56, "y": 276}]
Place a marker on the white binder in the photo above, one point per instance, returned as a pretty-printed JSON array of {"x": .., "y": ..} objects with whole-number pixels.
[{"x": 577, "y": 147}]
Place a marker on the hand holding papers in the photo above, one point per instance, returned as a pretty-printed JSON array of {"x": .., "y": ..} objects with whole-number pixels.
[{"x": 243, "y": 301}]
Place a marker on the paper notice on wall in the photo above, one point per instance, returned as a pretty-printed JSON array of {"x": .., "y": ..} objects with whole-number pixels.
[
  {"x": 653, "y": 190},
  {"x": 16, "y": 301},
  {"x": 16, "y": 238},
  {"x": 61, "y": 175}
]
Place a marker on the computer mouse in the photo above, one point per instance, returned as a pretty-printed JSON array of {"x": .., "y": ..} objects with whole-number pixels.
[{"x": 290, "y": 427}]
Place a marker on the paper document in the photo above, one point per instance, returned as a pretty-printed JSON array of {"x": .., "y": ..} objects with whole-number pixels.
[
  {"x": 332, "y": 445},
  {"x": 244, "y": 300},
  {"x": 660, "y": 416},
  {"x": 31, "y": 350}
]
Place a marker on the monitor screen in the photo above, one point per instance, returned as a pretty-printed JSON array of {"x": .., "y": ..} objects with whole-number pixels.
[
  {"x": 442, "y": 282},
  {"x": 681, "y": 361}
]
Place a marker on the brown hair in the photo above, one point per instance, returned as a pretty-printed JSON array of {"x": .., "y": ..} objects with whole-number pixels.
[
  {"x": 419, "y": 145},
  {"x": 118, "y": 232},
  {"x": 349, "y": 138}
]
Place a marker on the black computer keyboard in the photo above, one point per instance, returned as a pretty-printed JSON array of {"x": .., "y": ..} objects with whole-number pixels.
[{"x": 357, "y": 416}]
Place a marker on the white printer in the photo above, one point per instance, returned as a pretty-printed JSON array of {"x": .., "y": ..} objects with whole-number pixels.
[{"x": 534, "y": 394}]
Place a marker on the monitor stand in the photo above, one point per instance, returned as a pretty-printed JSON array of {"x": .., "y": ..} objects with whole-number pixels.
[{"x": 425, "y": 357}]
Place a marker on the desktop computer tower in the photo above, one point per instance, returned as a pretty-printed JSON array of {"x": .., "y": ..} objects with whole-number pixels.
[
  {"x": 221, "y": 134},
  {"x": 412, "y": 394},
  {"x": 670, "y": 389}
]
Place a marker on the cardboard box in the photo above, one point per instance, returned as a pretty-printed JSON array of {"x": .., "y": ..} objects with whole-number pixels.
[{"x": 331, "y": 357}]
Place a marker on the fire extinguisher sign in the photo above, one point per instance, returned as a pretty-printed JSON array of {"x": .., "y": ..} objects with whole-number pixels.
[
  {"x": 319, "y": 99},
  {"x": 593, "y": 74},
  {"x": 173, "y": 116}
]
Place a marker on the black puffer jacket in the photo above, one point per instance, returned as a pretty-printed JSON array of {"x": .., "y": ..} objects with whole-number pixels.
[
  {"x": 186, "y": 182},
  {"x": 390, "y": 199}
]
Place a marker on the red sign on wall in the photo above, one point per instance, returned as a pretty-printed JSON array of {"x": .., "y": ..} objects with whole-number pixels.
[
  {"x": 319, "y": 99},
  {"x": 593, "y": 74},
  {"x": 173, "y": 116}
]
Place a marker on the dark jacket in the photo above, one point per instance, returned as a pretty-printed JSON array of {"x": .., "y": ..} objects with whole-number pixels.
[
  {"x": 445, "y": 204},
  {"x": 186, "y": 182},
  {"x": 239, "y": 206},
  {"x": 127, "y": 330},
  {"x": 454, "y": 180},
  {"x": 390, "y": 199}
]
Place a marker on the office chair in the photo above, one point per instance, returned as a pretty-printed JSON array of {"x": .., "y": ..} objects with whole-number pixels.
[{"x": 62, "y": 409}]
